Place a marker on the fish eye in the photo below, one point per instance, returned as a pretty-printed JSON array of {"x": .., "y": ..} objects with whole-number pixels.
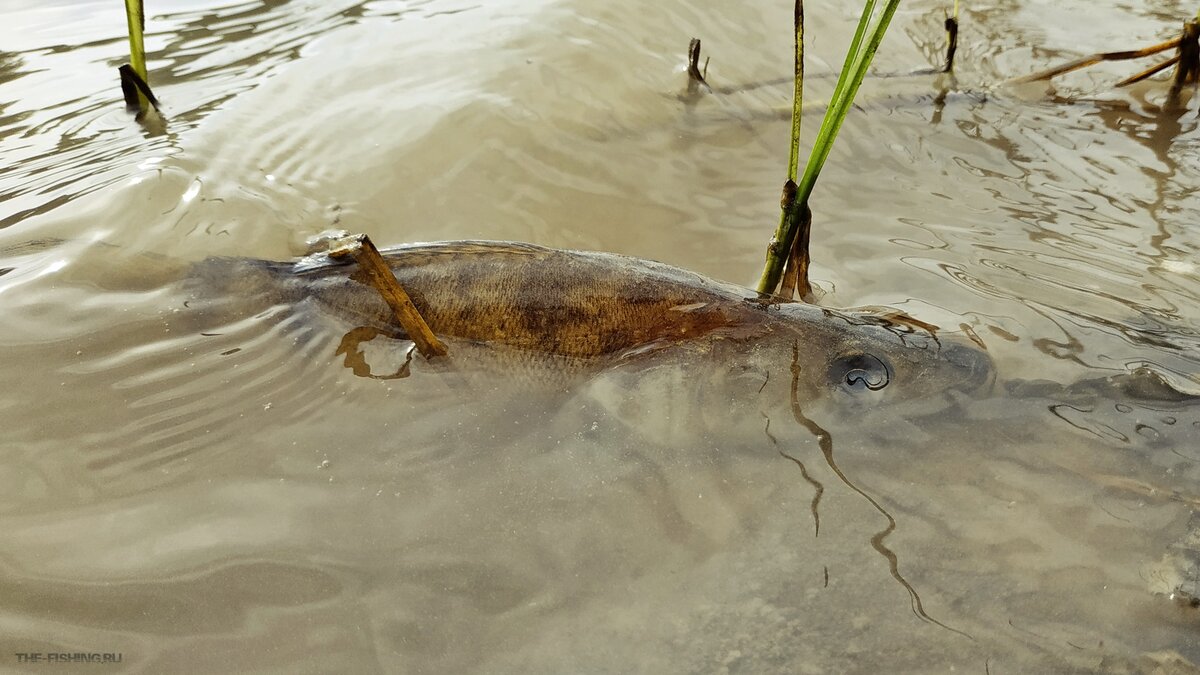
[{"x": 859, "y": 371}]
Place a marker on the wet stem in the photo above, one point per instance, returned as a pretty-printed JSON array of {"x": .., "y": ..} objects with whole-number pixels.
[
  {"x": 135, "y": 17},
  {"x": 795, "y": 203}
]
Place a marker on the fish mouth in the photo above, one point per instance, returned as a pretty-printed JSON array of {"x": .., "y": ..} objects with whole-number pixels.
[{"x": 974, "y": 366}]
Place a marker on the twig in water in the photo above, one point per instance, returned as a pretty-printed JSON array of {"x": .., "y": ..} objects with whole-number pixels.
[
  {"x": 1187, "y": 60},
  {"x": 380, "y": 276},
  {"x": 1093, "y": 59},
  {"x": 1152, "y": 70}
]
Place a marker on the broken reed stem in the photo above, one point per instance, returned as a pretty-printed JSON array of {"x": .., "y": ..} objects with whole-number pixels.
[
  {"x": 1152, "y": 70},
  {"x": 1093, "y": 59},
  {"x": 797, "y": 90},
  {"x": 135, "y": 90},
  {"x": 380, "y": 276},
  {"x": 1186, "y": 72},
  {"x": 951, "y": 39},
  {"x": 795, "y": 275},
  {"x": 135, "y": 18},
  {"x": 781, "y": 249},
  {"x": 787, "y": 203},
  {"x": 1188, "y": 69},
  {"x": 695, "y": 76}
]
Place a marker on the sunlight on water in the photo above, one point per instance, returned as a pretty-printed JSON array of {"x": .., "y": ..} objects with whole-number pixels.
[{"x": 195, "y": 478}]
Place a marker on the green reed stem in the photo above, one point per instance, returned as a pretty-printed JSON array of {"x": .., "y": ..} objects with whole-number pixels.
[
  {"x": 135, "y": 17},
  {"x": 858, "y": 61},
  {"x": 798, "y": 92}
]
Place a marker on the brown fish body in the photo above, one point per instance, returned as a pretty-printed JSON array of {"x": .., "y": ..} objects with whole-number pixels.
[
  {"x": 602, "y": 308},
  {"x": 567, "y": 303}
]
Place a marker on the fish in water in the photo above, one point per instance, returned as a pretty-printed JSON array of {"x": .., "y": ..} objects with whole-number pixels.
[{"x": 589, "y": 311}]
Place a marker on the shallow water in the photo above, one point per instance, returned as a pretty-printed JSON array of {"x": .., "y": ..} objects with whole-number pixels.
[{"x": 228, "y": 495}]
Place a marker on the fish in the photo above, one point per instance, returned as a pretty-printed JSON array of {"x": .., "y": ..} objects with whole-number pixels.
[{"x": 534, "y": 307}]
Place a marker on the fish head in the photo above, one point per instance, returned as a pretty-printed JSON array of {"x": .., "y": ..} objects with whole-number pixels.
[{"x": 863, "y": 359}]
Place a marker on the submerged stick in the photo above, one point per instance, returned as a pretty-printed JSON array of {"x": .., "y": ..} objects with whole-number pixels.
[{"x": 380, "y": 276}]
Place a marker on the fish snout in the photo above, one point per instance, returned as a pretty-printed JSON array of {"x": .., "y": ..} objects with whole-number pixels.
[{"x": 972, "y": 368}]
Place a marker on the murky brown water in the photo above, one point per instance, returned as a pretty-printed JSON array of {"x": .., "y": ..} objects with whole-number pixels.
[{"x": 231, "y": 497}]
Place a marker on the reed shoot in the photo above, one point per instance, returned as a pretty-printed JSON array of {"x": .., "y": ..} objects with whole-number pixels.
[{"x": 869, "y": 34}]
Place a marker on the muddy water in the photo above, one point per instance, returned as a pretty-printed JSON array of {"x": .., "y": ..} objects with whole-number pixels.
[{"x": 222, "y": 492}]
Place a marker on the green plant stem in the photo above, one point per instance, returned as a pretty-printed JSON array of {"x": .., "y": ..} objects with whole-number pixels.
[
  {"x": 780, "y": 249},
  {"x": 798, "y": 92},
  {"x": 858, "y": 60},
  {"x": 840, "y": 106},
  {"x": 135, "y": 17}
]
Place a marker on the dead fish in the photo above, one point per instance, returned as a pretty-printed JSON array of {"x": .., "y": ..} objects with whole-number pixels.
[{"x": 589, "y": 311}]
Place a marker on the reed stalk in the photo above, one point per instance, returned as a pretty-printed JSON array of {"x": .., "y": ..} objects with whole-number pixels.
[
  {"x": 867, "y": 37},
  {"x": 135, "y": 17}
]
